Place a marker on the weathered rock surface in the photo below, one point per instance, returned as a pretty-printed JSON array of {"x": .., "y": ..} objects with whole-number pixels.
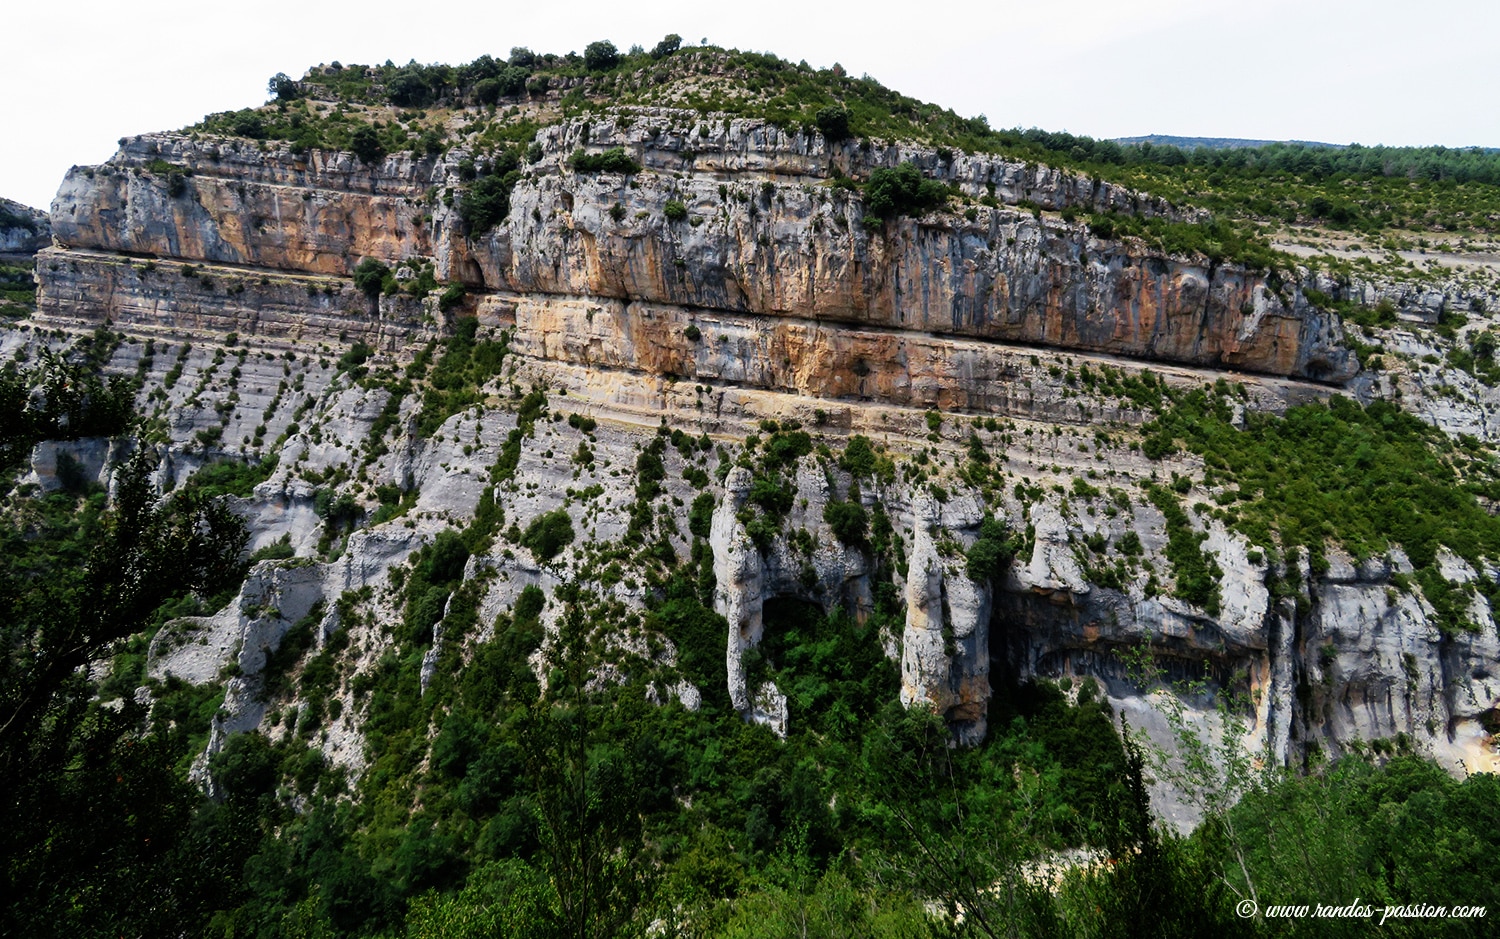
[
  {"x": 763, "y": 237},
  {"x": 770, "y": 301},
  {"x": 23, "y": 230},
  {"x": 177, "y": 299},
  {"x": 229, "y": 202}
]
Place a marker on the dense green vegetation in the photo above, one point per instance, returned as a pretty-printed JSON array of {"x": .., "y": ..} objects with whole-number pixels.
[
  {"x": 902, "y": 191},
  {"x": 1368, "y": 189},
  {"x": 613, "y": 160},
  {"x": 231, "y": 477},
  {"x": 1215, "y": 238},
  {"x": 1405, "y": 830},
  {"x": 61, "y": 398},
  {"x": 1365, "y": 478},
  {"x": 591, "y": 813},
  {"x": 99, "y": 826},
  {"x": 466, "y": 365},
  {"x": 486, "y": 201},
  {"x": 17, "y": 289}
]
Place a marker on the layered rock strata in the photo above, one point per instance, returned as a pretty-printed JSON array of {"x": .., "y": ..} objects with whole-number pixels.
[
  {"x": 23, "y": 230},
  {"x": 762, "y": 236},
  {"x": 769, "y": 299}
]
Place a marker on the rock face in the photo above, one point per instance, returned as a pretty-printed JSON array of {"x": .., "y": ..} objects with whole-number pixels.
[
  {"x": 764, "y": 235},
  {"x": 228, "y": 202},
  {"x": 177, "y": 299},
  {"x": 945, "y": 655},
  {"x": 739, "y": 596},
  {"x": 769, "y": 299},
  {"x": 23, "y": 230}
]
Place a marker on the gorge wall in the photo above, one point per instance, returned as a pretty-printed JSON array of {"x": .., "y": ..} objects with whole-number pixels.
[
  {"x": 23, "y": 230},
  {"x": 769, "y": 299},
  {"x": 762, "y": 236}
]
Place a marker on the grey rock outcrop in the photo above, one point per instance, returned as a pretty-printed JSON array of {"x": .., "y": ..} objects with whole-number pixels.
[
  {"x": 23, "y": 230},
  {"x": 772, "y": 242},
  {"x": 771, "y": 301},
  {"x": 945, "y": 655}
]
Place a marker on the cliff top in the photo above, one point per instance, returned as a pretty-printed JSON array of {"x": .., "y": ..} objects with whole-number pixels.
[
  {"x": 1288, "y": 190},
  {"x": 15, "y": 215}
]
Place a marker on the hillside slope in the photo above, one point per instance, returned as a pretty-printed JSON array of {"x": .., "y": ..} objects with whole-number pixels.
[{"x": 598, "y": 369}]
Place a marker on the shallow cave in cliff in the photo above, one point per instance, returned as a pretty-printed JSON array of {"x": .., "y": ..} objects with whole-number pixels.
[
  {"x": 1032, "y": 638},
  {"x": 781, "y": 618}
]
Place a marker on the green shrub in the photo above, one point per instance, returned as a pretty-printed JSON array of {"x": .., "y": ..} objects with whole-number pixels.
[
  {"x": 443, "y": 561},
  {"x": 1196, "y": 572},
  {"x": 902, "y": 191},
  {"x": 613, "y": 160},
  {"x": 847, "y": 521},
  {"x": 409, "y": 87},
  {"x": 1483, "y": 345},
  {"x": 338, "y": 510},
  {"x": 355, "y": 357},
  {"x": 833, "y": 123},
  {"x": 674, "y": 210},
  {"x": 293, "y": 646},
  {"x": 600, "y": 56},
  {"x": 230, "y": 477},
  {"x": 701, "y": 515},
  {"x": 858, "y": 457},
  {"x": 246, "y": 769},
  {"x": 486, "y": 203},
  {"x": 669, "y": 45},
  {"x": 487, "y": 90},
  {"x": 466, "y": 365},
  {"x": 772, "y": 495},
  {"x": 282, "y": 87},
  {"x": 451, "y": 297},
  {"x": 366, "y": 145},
  {"x": 280, "y": 550},
  {"x": 991, "y": 552},
  {"x": 548, "y": 534},
  {"x": 372, "y": 276}
]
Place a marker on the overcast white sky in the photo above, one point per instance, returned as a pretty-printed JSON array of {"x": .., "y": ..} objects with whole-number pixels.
[{"x": 82, "y": 73}]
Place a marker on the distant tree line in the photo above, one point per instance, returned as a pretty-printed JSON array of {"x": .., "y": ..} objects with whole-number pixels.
[
  {"x": 485, "y": 80},
  {"x": 1433, "y": 164}
]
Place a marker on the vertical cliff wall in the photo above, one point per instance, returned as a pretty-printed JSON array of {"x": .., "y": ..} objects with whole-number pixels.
[
  {"x": 763, "y": 233},
  {"x": 769, "y": 297}
]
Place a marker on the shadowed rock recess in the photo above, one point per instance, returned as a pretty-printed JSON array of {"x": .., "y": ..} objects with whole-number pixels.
[{"x": 1002, "y": 362}]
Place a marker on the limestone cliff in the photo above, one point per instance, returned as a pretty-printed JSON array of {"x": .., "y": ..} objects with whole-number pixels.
[
  {"x": 23, "y": 230},
  {"x": 763, "y": 301},
  {"x": 763, "y": 234}
]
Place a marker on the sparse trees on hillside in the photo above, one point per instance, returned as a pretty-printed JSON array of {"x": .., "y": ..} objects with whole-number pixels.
[
  {"x": 366, "y": 145},
  {"x": 833, "y": 123},
  {"x": 667, "y": 46},
  {"x": 600, "y": 56},
  {"x": 282, "y": 87}
]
